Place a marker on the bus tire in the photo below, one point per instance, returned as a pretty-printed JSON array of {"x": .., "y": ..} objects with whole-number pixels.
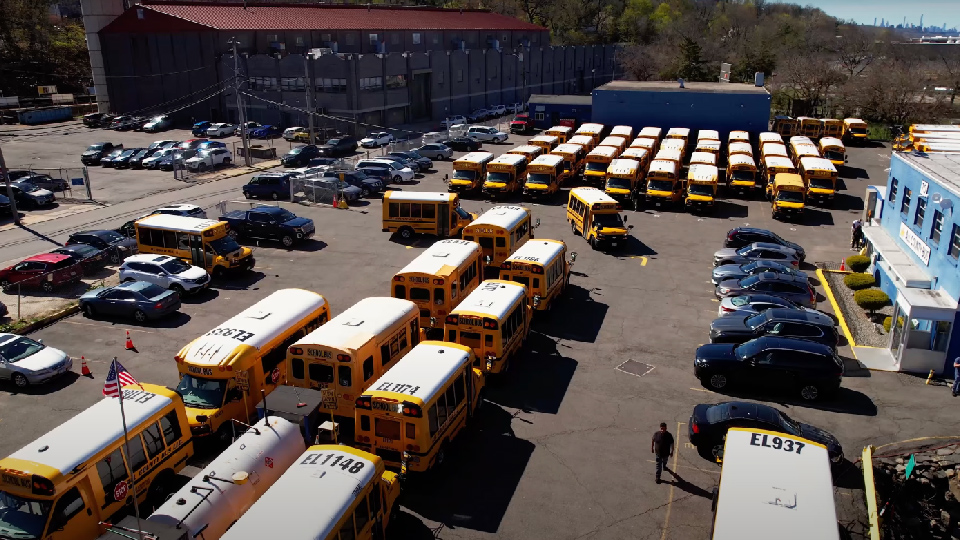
[
  {"x": 406, "y": 233},
  {"x": 573, "y": 228},
  {"x": 159, "y": 489},
  {"x": 441, "y": 456}
]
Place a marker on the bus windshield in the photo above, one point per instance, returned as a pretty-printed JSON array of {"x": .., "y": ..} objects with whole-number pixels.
[
  {"x": 461, "y": 174},
  {"x": 224, "y": 245},
  {"x": 618, "y": 183},
  {"x": 833, "y": 155},
  {"x": 597, "y": 167},
  {"x": 608, "y": 221},
  {"x": 538, "y": 178},
  {"x": 742, "y": 176},
  {"x": 700, "y": 189},
  {"x": 660, "y": 185},
  {"x": 498, "y": 177},
  {"x": 201, "y": 393},
  {"x": 790, "y": 196},
  {"x": 821, "y": 183},
  {"x": 22, "y": 518}
]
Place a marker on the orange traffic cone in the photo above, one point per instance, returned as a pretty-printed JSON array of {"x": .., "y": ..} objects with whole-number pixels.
[
  {"x": 843, "y": 265},
  {"x": 84, "y": 370},
  {"x": 129, "y": 344},
  {"x": 334, "y": 203}
]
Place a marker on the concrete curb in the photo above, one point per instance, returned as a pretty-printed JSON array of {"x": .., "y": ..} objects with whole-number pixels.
[
  {"x": 49, "y": 319},
  {"x": 238, "y": 171},
  {"x": 836, "y": 307}
]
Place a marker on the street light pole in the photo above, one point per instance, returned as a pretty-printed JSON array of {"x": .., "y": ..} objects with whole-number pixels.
[
  {"x": 236, "y": 88},
  {"x": 6, "y": 180},
  {"x": 309, "y": 85}
]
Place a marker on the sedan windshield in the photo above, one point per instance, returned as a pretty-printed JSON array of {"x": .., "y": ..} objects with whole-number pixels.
[
  {"x": 22, "y": 518},
  {"x": 19, "y": 348},
  {"x": 748, "y": 349},
  {"x": 153, "y": 292},
  {"x": 202, "y": 393},
  {"x": 756, "y": 321},
  {"x": 749, "y": 281},
  {"x": 225, "y": 245},
  {"x": 28, "y": 187},
  {"x": 110, "y": 236},
  {"x": 175, "y": 266}
]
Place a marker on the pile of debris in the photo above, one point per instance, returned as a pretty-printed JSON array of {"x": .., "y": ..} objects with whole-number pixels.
[{"x": 925, "y": 505}]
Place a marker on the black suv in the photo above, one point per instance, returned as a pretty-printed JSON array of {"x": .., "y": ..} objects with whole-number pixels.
[
  {"x": 774, "y": 363},
  {"x": 786, "y": 323},
  {"x": 367, "y": 184},
  {"x": 340, "y": 146},
  {"x": 744, "y": 236},
  {"x": 97, "y": 151},
  {"x": 300, "y": 156},
  {"x": 117, "y": 246}
]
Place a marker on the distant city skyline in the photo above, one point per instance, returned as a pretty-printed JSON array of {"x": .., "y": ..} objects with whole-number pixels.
[{"x": 935, "y": 12}]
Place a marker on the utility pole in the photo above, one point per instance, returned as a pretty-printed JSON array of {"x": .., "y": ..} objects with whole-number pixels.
[
  {"x": 309, "y": 87},
  {"x": 6, "y": 180},
  {"x": 236, "y": 88}
]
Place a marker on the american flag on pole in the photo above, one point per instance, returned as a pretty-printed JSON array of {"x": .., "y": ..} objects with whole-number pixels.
[{"x": 117, "y": 378}]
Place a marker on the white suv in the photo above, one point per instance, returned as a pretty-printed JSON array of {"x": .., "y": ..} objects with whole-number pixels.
[
  {"x": 453, "y": 120},
  {"x": 221, "y": 130},
  {"x": 398, "y": 173},
  {"x": 165, "y": 271},
  {"x": 499, "y": 110},
  {"x": 209, "y": 158},
  {"x": 185, "y": 210},
  {"x": 485, "y": 134}
]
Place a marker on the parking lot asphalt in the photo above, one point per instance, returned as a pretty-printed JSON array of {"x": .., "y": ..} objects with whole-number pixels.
[{"x": 562, "y": 449}]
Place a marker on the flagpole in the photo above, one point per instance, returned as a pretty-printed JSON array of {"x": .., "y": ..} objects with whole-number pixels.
[{"x": 126, "y": 447}]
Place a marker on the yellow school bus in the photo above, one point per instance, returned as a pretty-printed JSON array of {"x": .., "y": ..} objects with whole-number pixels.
[
  {"x": 542, "y": 267},
  {"x": 712, "y": 147},
  {"x": 787, "y": 194},
  {"x": 422, "y": 212},
  {"x": 641, "y": 155},
  {"x": 768, "y": 137},
  {"x": 831, "y": 127},
  {"x": 799, "y": 139},
  {"x": 594, "y": 131},
  {"x": 786, "y": 126},
  {"x": 651, "y": 132},
  {"x": 596, "y": 164},
  {"x": 573, "y": 156},
  {"x": 624, "y": 177},
  {"x": 735, "y": 148},
  {"x": 499, "y": 231},
  {"x": 223, "y": 372},
  {"x": 64, "y": 484},
  {"x": 331, "y": 492},
  {"x": 622, "y": 131},
  {"x": 585, "y": 141},
  {"x": 854, "y": 129},
  {"x": 833, "y": 149},
  {"x": 708, "y": 135},
  {"x": 820, "y": 176},
  {"x": 546, "y": 143},
  {"x": 439, "y": 278},
  {"x": 342, "y": 357},
  {"x": 702, "y": 183},
  {"x": 595, "y": 216},
  {"x": 676, "y": 145},
  {"x": 742, "y": 174},
  {"x": 506, "y": 174},
  {"x": 494, "y": 321},
  {"x": 616, "y": 142},
  {"x": 469, "y": 172},
  {"x": 773, "y": 149},
  {"x": 671, "y": 155},
  {"x": 774, "y": 165},
  {"x": 738, "y": 136},
  {"x": 529, "y": 151},
  {"x": 563, "y": 133},
  {"x": 679, "y": 133},
  {"x": 649, "y": 145},
  {"x": 802, "y": 150},
  {"x": 544, "y": 176},
  {"x": 810, "y": 127},
  {"x": 703, "y": 158},
  {"x": 413, "y": 412},
  {"x": 205, "y": 243},
  {"x": 663, "y": 183}
]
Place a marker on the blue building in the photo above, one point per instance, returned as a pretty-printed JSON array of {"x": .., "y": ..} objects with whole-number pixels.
[
  {"x": 913, "y": 238},
  {"x": 549, "y": 110},
  {"x": 724, "y": 107}
]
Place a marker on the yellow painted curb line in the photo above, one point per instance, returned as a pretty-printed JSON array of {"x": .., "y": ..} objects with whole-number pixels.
[{"x": 836, "y": 310}]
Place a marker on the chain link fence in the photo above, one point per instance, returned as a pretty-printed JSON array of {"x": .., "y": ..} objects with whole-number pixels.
[
  {"x": 261, "y": 150},
  {"x": 67, "y": 183}
]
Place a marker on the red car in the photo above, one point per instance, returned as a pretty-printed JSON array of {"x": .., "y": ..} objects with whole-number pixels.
[
  {"x": 192, "y": 144},
  {"x": 47, "y": 271}
]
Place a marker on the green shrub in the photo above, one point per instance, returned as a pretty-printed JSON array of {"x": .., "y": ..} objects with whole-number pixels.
[
  {"x": 887, "y": 322},
  {"x": 858, "y": 280},
  {"x": 871, "y": 299},
  {"x": 858, "y": 263}
]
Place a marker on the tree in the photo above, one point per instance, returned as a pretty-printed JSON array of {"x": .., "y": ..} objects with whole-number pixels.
[
  {"x": 691, "y": 66},
  {"x": 855, "y": 50}
]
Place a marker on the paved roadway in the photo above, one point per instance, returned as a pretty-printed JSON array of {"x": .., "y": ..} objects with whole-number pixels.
[{"x": 561, "y": 451}]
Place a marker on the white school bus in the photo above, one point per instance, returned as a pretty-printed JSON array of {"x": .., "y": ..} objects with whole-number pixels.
[
  {"x": 439, "y": 278},
  {"x": 62, "y": 485},
  {"x": 597, "y": 162},
  {"x": 331, "y": 492},
  {"x": 499, "y": 231},
  {"x": 342, "y": 357},
  {"x": 679, "y": 133},
  {"x": 223, "y": 372},
  {"x": 546, "y": 143},
  {"x": 651, "y": 132},
  {"x": 613, "y": 141},
  {"x": 573, "y": 155},
  {"x": 774, "y": 482},
  {"x": 419, "y": 212},
  {"x": 494, "y": 321},
  {"x": 703, "y": 158},
  {"x": 412, "y": 413},
  {"x": 735, "y": 148},
  {"x": 768, "y": 137},
  {"x": 541, "y": 266}
]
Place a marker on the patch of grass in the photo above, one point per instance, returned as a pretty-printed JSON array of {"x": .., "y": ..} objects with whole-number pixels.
[{"x": 879, "y": 132}]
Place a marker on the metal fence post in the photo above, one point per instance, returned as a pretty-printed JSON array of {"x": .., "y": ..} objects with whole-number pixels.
[{"x": 86, "y": 182}]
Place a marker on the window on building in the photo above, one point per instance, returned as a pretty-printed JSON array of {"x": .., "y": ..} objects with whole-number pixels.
[
  {"x": 905, "y": 203},
  {"x": 371, "y": 84},
  {"x": 299, "y": 41},
  {"x": 396, "y": 81},
  {"x": 921, "y": 209},
  {"x": 395, "y": 38},
  {"x": 272, "y": 38},
  {"x": 538, "y": 116},
  {"x": 331, "y": 86},
  {"x": 326, "y": 38},
  {"x": 263, "y": 84},
  {"x": 937, "y": 227},
  {"x": 374, "y": 39},
  {"x": 292, "y": 84},
  {"x": 954, "y": 249},
  {"x": 349, "y": 39},
  {"x": 892, "y": 196},
  {"x": 416, "y": 38},
  {"x": 459, "y": 75}
]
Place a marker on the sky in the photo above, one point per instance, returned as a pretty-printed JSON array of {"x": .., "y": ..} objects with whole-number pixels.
[{"x": 935, "y": 12}]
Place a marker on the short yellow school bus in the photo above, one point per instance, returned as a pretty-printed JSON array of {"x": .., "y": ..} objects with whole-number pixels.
[
  {"x": 529, "y": 151},
  {"x": 701, "y": 187},
  {"x": 573, "y": 156},
  {"x": 506, "y": 174},
  {"x": 810, "y": 127},
  {"x": 544, "y": 176},
  {"x": 650, "y": 145},
  {"x": 738, "y": 136},
  {"x": 651, "y": 132},
  {"x": 223, "y": 372},
  {"x": 703, "y": 158},
  {"x": 671, "y": 155},
  {"x": 563, "y": 133},
  {"x": 820, "y": 176},
  {"x": 541, "y": 266},
  {"x": 412, "y": 413},
  {"x": 439, "y": 278},
  {"x": 201, "y": 242},
  {"x": 708, "y": 135},
  {"x": 499, "y": 231},
  {"x": 641, "y": 155},
  {"x": 64, "y": 484},
  {"x": 786, "y": 125},
  {"x": 594, "y": 131},
  {"x": 679, "y": 133},
  {"x": 774, "y": 165},
  {"x": 742, "y": 174},
  {"x": 773, "y": 149},
  {"x": 833, "y": 149},
  {"x": 342, "y": 357},
  {"x": 546, "y": 142},
  {"x": 663, "y": 183},
  {"x": 421, "y": 212},
  {"x": 854, "y": 129},
  {"x": 624, "y": 177},
  {"x": 331, "y": 492},
  {"x": 595, "y": 216},
  {"x": 676, "y": 144},
  {"x": 622, "y": 131},
  {"x": 712, "y": 147},
  {"x": 585, "y": 141},
  {"x": 768, "y": 137},
  {"x": 469, "y": 172},
  {"x": 619, "y": 143},
  {"x": 735, "y": 148},
  {"x": 597, "y": 162},
  {"x": 831, "y": 127},
  {"x": 802, "y": 150},
  {"x": 787, "y": 194},
  {"x": 493, "y": 321}
]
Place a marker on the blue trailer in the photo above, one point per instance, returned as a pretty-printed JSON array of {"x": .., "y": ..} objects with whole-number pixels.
[
  {"x": 552, "y": 110},
  {"x": 45, "y": 115}
]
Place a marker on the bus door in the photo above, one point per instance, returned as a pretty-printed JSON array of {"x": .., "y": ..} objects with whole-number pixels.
[
  {"x": 443, "y": 219},
  {"x": 196, "y": 251},
  {"x": 208, "y": 257}
]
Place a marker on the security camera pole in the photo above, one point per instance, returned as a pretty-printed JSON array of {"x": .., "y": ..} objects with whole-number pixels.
[{"x": 6, "y": 180}]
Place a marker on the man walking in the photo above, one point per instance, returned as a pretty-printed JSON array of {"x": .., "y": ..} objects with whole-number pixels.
[
  {"x": 956, "y": 376},
  {"x": 662, "y": 448},
  {"x": 856, "y": 234}
]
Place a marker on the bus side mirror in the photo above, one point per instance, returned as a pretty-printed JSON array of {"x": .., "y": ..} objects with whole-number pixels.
[
  {"x": 446, "y": 178},
  {"x": 573, "y": 257},
  {"x": 629, "y": 226},
  {"x": 624, "y": 219},
  {"x": 537, "y": 224},
  {"x": 488, "y": 259},
  {"x": 433, "y": 322},
  {"x": 536, "y": 301}
]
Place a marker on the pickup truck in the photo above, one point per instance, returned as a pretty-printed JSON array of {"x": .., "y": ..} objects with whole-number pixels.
[
  {"x": 522, "y": 123},
  {"x": 270, "y": 223}
]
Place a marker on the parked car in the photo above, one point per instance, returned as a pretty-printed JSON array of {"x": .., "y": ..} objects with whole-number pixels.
[
  {"x": 436, "y": 151},
  {"x": 265, "y": 132},
  {"x": 330, "y": 183},
  {"x": 221, "y": 130},
  {"x": 339, "y": 146},
  {"x": 268, "y": 185},
  {"x": 30, "y": 196},
  {"x": 91, "y": 259},
  {"x": 793, "y": 288},
  {"x": 271, "y": 223},
  {"x": 376, "y": 140},
  {"x": 5, "y": 209},
  {"x": 47, "y": 272},
  {"x": 247, "y": 127},
  {"x": 209, "y": 158},
  {"x": 179, "y": 158},
  {"x": 709, "y": 423},
  {"x": 137, "y": 300},
  {"x": 18, "y": 174},
  {"x": 107, "y": 160},
  {"x": 367, "y": 184},
  {"x": 200, "y": 128},
  {"x": 158, "y": 123},
  {"x": 521, "y": 123},
  {"x": 45, "y": 181},
  {"x": 425, "y": 163},
  {"x": 737, "y": 271},
  {"x": 153, "y": 161},
  {"x": 753, "y": 303},
  {"x": 290, "y": 133},
  {"x": 136, "y": 162},
  {"x": 453, "y": 120},
  {"x": 757, "y": 251},
  {"x": 776, "y": 364},
  {"x": 107, "y": 121},
  {"x": 92, "y": 119},
  {"x": 383, "y": 176},
  {"x": 462, "y": 144},
  {"x": 402, "y": 161},
  {"x": 192, "y": 144},
  {"x": 115, "y": 244},
  {"x": 302, "y": 173},
  {"x": 487, "y": 134},
  {"x": 479, "y": 115},
  {"x": 166, "y": 271},
  {"x": 499, "y": 110},
  {"x": 207, "y": 145},
  {"x": 3, "y": 310},
  {"x": 184, "y": 210},
  {"x": 299, "y": 156},
  {"x": 516, "y": 108},
  {"x": 398, "y": 172},
  {"x": 743, "y": 236},
  {"x": 123, "y": 160},
  {"x": 122, "y": 123},
  {"x": 25, "y": 361},
  {"x": 97, "y": 151},
  {"x": 787, "y": 323}
]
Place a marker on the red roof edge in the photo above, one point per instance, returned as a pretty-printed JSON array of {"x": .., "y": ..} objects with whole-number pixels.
[
  {"x": 312, "y": 5},
  {"x": 129, "y": 22}
]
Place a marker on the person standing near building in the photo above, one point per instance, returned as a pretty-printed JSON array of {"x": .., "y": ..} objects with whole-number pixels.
[
  {"x": 662, "y": 448},
  {"x": 956, "y": 376},
  {"x": 856, "y": 234}
]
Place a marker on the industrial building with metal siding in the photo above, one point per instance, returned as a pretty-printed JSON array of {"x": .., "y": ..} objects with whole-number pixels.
[
  {"x": 549, "y": 110},
  {"x": 723, "y": 107}
]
